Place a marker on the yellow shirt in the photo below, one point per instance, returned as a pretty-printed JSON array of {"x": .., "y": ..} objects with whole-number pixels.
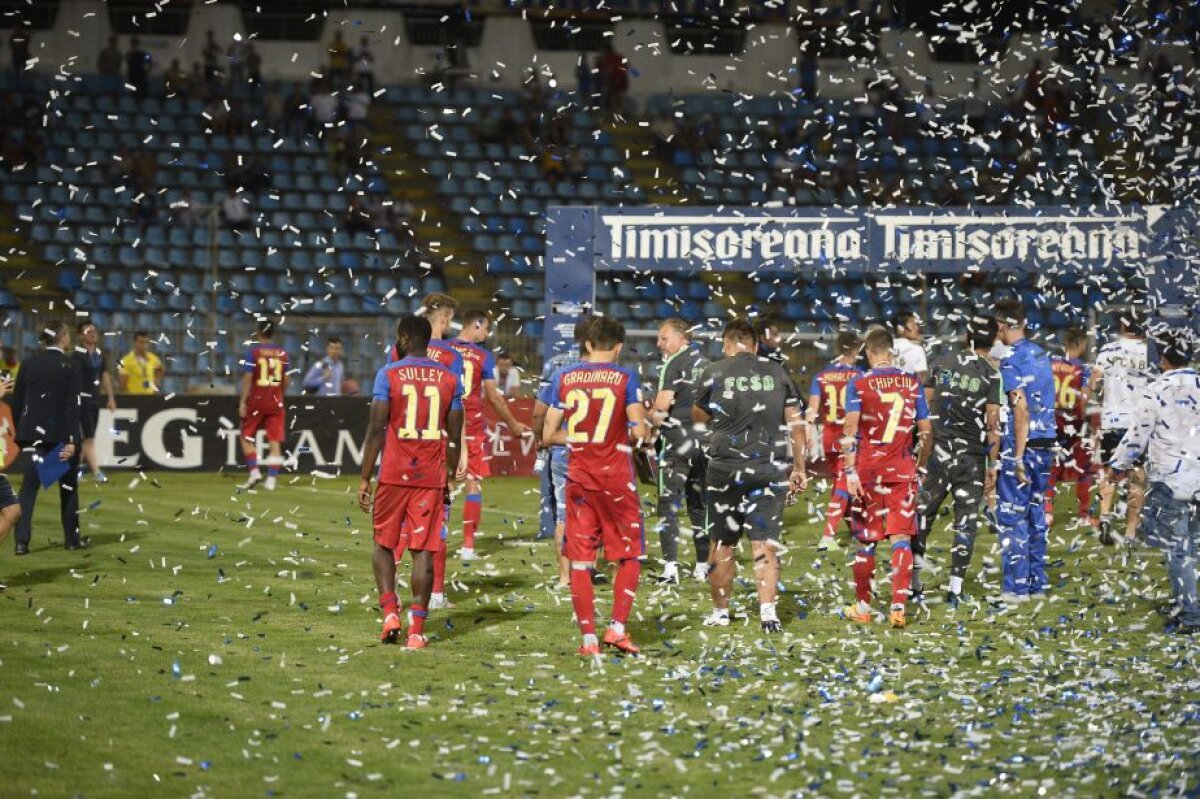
[{"x": 141, "y": 371}]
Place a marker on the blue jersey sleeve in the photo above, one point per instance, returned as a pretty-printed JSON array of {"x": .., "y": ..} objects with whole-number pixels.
[
  {"x": 489, "y": 365},
  {"x": 853, "y": 401},
  {"x": 814, "y": 387},
  {"x": 545, "y": 393},
  {"x": 633, "y": 389},
  {"x": 1011, "y": 376},
  {"x": 922, "y": 405},
  {"x": 381, "y": 390},
  {"x": 456, "y": 399},
  {"x": 248, "y": 360},
  {"x": 552, "y": 391},
  {"x": 1087, "y": 376}
]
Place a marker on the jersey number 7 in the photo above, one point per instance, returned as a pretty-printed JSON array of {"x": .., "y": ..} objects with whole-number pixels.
[{"x": 895, "y": 413}]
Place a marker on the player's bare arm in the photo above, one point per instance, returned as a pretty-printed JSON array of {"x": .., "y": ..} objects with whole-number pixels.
[
  {"x": 1020, "y": 412},
  {"x": 700, "y": 416},
  {"x": 639, "y": 429},
  {"x": 924, "y": 443},
  {"x": 247, "y": 382},
  {"x": 849, "y": 446},
  {"x": 500, "y": 405},
  {"x": 372, "y": 444},
  {"x": 991, "y": 417},
  {"x": 106, "y": 383},
  {"x": 539, "y": 422},
  {"x": 552, "y": 432},
  {"x": 661, "y": 408},
  {"x": 454, "y": 447},
  {"x": 798, "y": 432}
]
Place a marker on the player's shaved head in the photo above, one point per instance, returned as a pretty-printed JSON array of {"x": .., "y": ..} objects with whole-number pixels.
[
  {"x": 413, "y": 334},
  {"x": 879, "y": 341},
  {"x": 604, "y": 334},
  {"x": 848, "y": 343}
]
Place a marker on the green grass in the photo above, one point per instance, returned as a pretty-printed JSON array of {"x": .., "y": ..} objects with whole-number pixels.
[{"x": 145, "y": 667}]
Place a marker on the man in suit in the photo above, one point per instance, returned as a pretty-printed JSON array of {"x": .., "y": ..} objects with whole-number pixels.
[{"x": 46, "y": 413}]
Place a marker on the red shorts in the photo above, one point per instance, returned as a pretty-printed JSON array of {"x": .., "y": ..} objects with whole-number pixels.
[
  {"x": 409, "y": 518},
  {"x": 886, "y": 509},
  {"x": 479, "y": 453},
  {"x": 608, "y": 519},
  {"x": 831, "y": 465},
  {"x": 269, "y": 419},
  {"x": 1072, "y": 461}
]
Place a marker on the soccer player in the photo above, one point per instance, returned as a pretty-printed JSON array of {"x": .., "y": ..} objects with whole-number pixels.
[
  {"x": 827, "y": 407},
  {"x": 755, "y": 442},
  {"x": 95, "y": 378},
  {"x": 603, "y": 411},
  {"x": 1163, "y": 429},
  {"x": 963, "y": 391},
  {"x": 883, "y": 409},
  {"x": 264, "y": 381},
  {"x": 416, "y": 421},
  {"x": 479, "y": 383},
  {"x": 10, "y": 508},
  {"x": 1026, "y": 453},
  {"x": 910, "y": 353},
  {"x": 1120, "y": 374},
  {"x": 439, "y": 310},
  {"x": 1072, "y": 457},
  {"x": 681, "y": 462},
  {"x": 554, "y": 474}
]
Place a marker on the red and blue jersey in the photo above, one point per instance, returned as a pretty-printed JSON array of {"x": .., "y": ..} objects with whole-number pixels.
[
  {"x": 1070, "y": 379},
  {"x": 595, "y": 398},
  {"x": 440, "y": 351},
  {"x": 421, "y": 393},
  {"x": 890, "y": 403},
  {"x": 829, "y": 385},
  {"x": 267, "y": 365},
  {"x": 478, "y": 365}
]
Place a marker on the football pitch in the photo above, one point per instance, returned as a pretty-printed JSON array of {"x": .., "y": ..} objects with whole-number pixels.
[{"x": 213, "y": 643}]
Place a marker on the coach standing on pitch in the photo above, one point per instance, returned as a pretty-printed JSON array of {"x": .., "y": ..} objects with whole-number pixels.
[
  {"x": 963, "y": 393},
  {"x": 1026, "y": 455},
  {"x": 681, "y": 462},
  {"x": 46, "y": 414}
]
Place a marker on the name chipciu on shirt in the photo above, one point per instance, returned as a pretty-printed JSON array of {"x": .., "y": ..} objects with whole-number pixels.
[
  {"x": 611, "y": 376},
  {"x": 891, "y": 381}
]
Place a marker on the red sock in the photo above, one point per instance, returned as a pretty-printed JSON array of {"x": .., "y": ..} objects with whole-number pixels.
[
  {"x": 902, "y": 563},
  {"x": 389, "y": 603},
  {"x": 834, "y": 513},
  {"x": 583, "y": 599},
  {"x": 1051, "y": 491},
  {"x": 864, "y": 571},
  {"x": 439, "y": 569},
  {"x": 1083, "y": 493},
  {"x": 416, "y": 619},
  {"x": 624, "y": 588},
  {"x": 472, "y": 510}
]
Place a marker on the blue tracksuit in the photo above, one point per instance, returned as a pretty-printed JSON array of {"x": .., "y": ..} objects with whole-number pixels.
[{"x": 1021, "y": 513}]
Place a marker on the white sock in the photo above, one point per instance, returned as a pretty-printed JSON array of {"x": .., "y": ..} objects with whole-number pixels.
[
  {"x": 955, "y": 584},
  {"x": 897, "y": 606},
  {"x": 617, "y": 627},
  {"x": 590, "y": 639},
  {"x": 766, "y": 612},
  {"x": 723, "y": 612},
  {"x": 436, "y": 597},
  {"x": 863, "y": 607}
]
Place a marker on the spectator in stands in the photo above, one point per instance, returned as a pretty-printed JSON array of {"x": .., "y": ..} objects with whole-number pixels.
[
  {"x": 339, "y": 60},
  {"x": 235, "y": 66},
  {"x": 574, "y": 164},
  {"x": 145, "y": 171},
  {"x": 506, "y": 130},
  {"x": 212, "y": 61},
  {"x": 236, "y": 123},
  {"x": 508, "y": 376},
  {"x": 198, "y": 86},
  {"x": 187, "y": 212},
  {"x": 19, "y": 44},
  {"x": 272, "y": 109},
  {"x": 663, "y": 130},
  {"x": 10, "y": 362},
  {"x": 295, "y": 111},
  {"x": 137, "y": 66},
  {"x": 533, "y": 92},
  {"x": 176, "y": 80},
  {"x": 357, "y": 108},
  {"x": 613, "y": 69},
  {"x": 254, "y": 177},
  {"x": 357, "y": 218},
  {"x": 140, "y": 371},
  {"x": 253, "y": 69},
  {"x": 552, "y": 163},
  {"x": 235, "y": 209},
  {"x": 364, "y": 66},
  {"x": 585, "y": 82},
  {"x": 324, "y": 107},
  {"x": 325, "y": 377},
  {"x": 108, "y": 64}
]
